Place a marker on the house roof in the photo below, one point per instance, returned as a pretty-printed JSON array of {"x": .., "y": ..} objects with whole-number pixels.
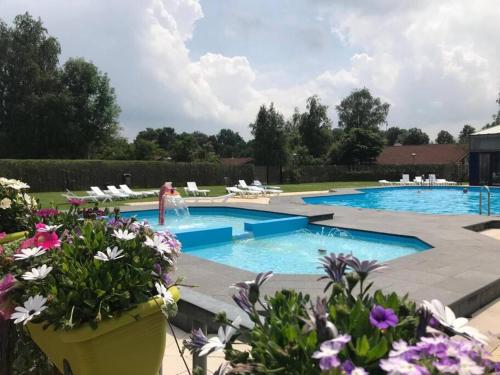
[
  {"x": 236, "y": 161},
  {"x": 492, "y": 130},
  {"x": 424, "y": 154}
]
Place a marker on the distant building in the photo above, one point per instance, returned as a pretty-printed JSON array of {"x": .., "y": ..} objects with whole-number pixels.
[
  {"x": 433, "y": 154},
  {"x": 484, "y": 158},
  {"x": 236, "y": 161}
]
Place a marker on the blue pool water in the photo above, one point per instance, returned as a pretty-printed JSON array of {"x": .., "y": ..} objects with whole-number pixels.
[
  {"x": 435, "y": 200},
  {"x": 277, "y": 242},
  {"x": 203, "y": 218},
  {"x": 297, "y": 252}
]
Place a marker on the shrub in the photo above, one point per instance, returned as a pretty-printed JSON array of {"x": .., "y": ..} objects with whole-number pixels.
[{"x": 57, "y": 175}]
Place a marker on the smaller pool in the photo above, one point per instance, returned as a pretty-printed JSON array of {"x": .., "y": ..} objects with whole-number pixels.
[
  {"x": 204, "y": 218},
  {"x": 297, "y": 252}
]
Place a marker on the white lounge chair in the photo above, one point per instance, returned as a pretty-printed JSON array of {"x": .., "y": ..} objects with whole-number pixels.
[
  {"x": 87, "y": 198},
  {"x": 192, "y": 189},
  {"x": 126, "y": 190},
  {"x": 243, "y": 185},
  {"x": 405, "y": 180},
  {"x": 443, "y": 181},
  {"x": 112, "y": 190},
  {"x": 418, "y": 180},
  {"x": 384, "y": 182},
  {"x": 96, "y": 191},
  {"x": 243, "y": 193},
  {"x": 259, "y": 184}
]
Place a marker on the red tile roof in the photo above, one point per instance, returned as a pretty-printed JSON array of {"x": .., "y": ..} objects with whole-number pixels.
[
  {"x": 424, "y": 154},
  {"x": 236, "y": 161}
]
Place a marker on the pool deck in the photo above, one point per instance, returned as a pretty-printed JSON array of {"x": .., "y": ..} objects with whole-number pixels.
[{"x": 462, "y": 269}]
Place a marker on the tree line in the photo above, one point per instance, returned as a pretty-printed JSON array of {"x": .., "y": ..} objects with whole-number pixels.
[{"x": 52, "y": 110}]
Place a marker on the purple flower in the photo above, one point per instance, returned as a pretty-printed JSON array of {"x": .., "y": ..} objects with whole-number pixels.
[
  {"x": 6, "y": 284},
  {"x": 241, "y": 299},
  {"x": 328, "y": 351},
  {"x": 334, "y": 267},
  {"x": 399, "y": 366},
  {"x": 47, "y": 212},
  {"x": 252, "y": 288},
  {"x": 363, "y": 268},
  {"x": 318, "y": 321},
  {"x": 196, "y": 341},
  {"x": 383, "y": 318}
]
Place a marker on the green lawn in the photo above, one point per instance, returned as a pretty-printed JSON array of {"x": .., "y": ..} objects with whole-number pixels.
[{"x": 55, "y": 198}]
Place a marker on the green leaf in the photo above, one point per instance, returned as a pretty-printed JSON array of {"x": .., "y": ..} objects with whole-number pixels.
[
  {"x": 378, "y": 351},
  {"x": 362, "y": 346}
]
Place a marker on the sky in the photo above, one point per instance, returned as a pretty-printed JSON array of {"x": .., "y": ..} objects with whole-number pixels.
[{"x": 209, "y": 64}]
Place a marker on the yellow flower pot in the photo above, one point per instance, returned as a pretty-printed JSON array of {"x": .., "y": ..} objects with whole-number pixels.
[
  {"x": 131, "y": 344},
  {"x": 12, "y": 237}
]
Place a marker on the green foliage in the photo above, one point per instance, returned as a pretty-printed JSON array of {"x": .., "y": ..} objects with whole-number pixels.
[
  {"x": 361, "y": 110},
  {"x": 68, "y": 111},
  {"x": 416, "y": 136},
  {"x": 270, "y": 138},
  {"x": 57, "y": 175},
  {"x": 467, "y": 130},
  {"x": 395, "y": 135},
  {"x": 445, "y": 137},
  {"x": 360, "y": 145},
  {"x": 315, "y": 128}
]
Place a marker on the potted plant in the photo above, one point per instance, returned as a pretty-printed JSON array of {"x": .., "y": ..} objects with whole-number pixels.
[
  {"x": 92, "y": 291},
  {"x": 350, "y": 331}
]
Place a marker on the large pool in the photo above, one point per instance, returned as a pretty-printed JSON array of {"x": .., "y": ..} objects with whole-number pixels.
[
  {"x": 422, "y": 199},
  {"x": 260, "y": 241}
]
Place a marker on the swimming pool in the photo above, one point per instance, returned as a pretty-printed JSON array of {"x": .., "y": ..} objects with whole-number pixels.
[
  {"x": 297, "y": 252},
  {"x": 259, "y": 241},
  {"x": 203, "y": 218},
  {"x": 446, "y": 200}
]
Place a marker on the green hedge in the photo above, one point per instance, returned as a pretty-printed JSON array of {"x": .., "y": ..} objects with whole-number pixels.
[
  {"x": 324, "y": 173},
  {"x": 57, "y": 175}
]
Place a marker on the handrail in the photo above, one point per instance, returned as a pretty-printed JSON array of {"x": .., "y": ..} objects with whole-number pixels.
[{"x": 481, "y": 200}]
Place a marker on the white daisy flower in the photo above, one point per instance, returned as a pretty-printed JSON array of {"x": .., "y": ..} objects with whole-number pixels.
[
  {"x": 167, "y": 297},
  {"x": 32, "y": 307},
  {"x": 123, "y": 234},
  {"x": 157, "y": 243},
  {"x": 29, "y": 252},
  {"x": 219, "y": 342},
  {"x": 109, "y": 255},
  {"x": 5, "y": 203},
  {"x": 446, "y": 317},
  {"x": 37, "y": 273},
  {"x": 49, "y": 228}
]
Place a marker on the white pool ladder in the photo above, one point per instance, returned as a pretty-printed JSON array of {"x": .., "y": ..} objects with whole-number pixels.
[{"x": 481, "y": 200}]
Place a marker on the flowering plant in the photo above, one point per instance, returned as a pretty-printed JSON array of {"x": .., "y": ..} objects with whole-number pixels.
[
  {"x": 74, "y": 270},
  {"x": 348, "y": 332},
  {"x": 15, "y": 205}
]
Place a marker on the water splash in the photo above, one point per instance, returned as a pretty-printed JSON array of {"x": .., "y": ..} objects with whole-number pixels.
[{"x": 169, "y": 199}]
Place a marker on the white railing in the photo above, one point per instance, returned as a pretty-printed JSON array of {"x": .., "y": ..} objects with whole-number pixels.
[{"x": 481, "y": 200}]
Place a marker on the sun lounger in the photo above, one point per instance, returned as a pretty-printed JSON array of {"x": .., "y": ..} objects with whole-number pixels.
[
  {"x": 243, "y": 185},
  {"x": 405, "y": 180},
  {"x": 259, "y": 184},
  {"x": 384, "y": 182},
  {"x": 87, "y": 198},
  {"x": 125, "y": 189},
  {"x": 96, "y": 191},
  {"x": 192, "y": 189},
  {"x": 418, "y": 180},
  {"x": 112, "y": 190},
  {"x": 243, "y": 193}
]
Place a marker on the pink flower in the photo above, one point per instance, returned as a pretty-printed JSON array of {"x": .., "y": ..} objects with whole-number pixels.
[
  {"x": 47, "y": 212},
  {"x": 76, "y": 202},
  {"x": 3, "y": 235},
  {"x": 47, "y": 240},
  {"x": 6, "y": 311}
]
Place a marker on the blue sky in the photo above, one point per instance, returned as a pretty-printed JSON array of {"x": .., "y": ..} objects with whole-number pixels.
[{"x": 209, "y": 64}]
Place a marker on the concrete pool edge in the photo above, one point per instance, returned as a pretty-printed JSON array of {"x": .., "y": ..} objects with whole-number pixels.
[{"x": 461, "y": 269}]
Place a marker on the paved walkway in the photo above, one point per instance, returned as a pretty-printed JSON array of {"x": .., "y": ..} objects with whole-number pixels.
[{"x": 493, "y": 233}]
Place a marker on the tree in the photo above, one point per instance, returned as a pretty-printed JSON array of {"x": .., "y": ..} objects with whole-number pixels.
[
  {"x": 361, "y": 110},
  {"x": 467, "y": 130},
  {"x": 117, "y": 149},
  {"x": 416, "y": 136},
  {"x": 147, "y": 150},
  {"x": 496, "y": 117},
  {"x": 270, "y": 141},
  {"x": 394, "y": 135},
  {"x": 68, "y": 112},
  {"x": 229, "y": 144},
  {"x": 445, "y": 137},
  {"x": 315, "y": 128},
  {"x": 358, "y": 145}
]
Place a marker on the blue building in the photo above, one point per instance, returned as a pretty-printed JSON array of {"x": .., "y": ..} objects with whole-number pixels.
[{"x": 484, "y": 157}]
